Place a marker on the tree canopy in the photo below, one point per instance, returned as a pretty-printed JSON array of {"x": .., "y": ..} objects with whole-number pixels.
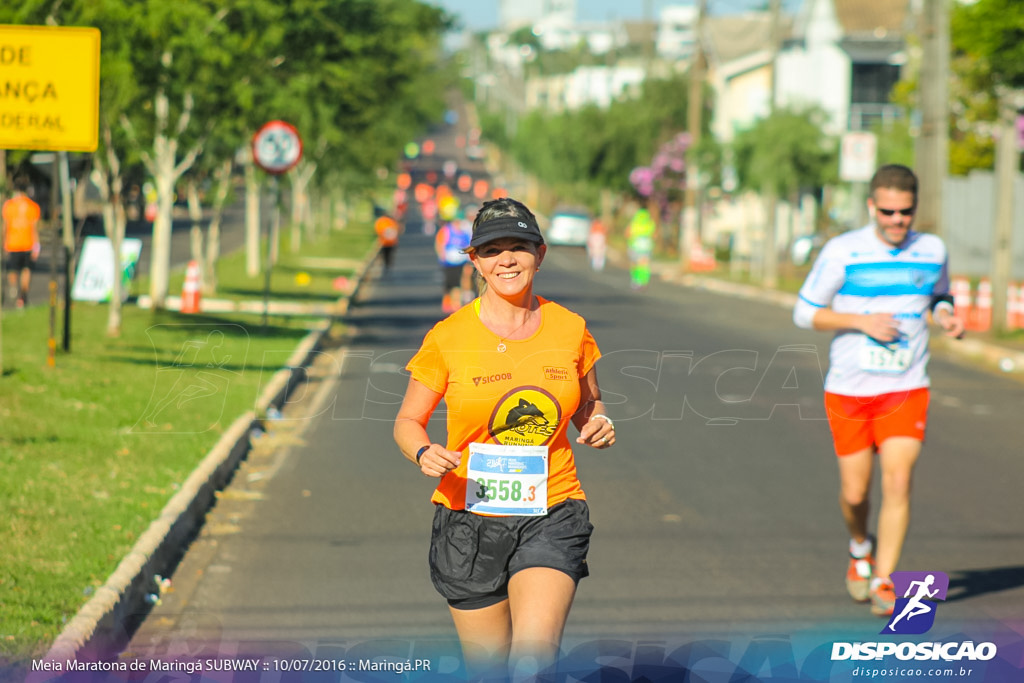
[
  {"x": 185, "y": 84},
  {"x": 592, "y": 148},
  {"x": 785, "y": 152},
  {"x": 992, "y": 31}
]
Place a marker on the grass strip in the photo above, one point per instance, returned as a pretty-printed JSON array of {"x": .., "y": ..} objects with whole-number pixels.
[{"x": 93, "y": 448}]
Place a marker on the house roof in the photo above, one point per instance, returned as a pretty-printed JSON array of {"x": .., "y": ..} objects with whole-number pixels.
[
  {"x": 732, "y": 37},
  {"x": 878, "y": 18},
  {"x": 640, "y": 32}
]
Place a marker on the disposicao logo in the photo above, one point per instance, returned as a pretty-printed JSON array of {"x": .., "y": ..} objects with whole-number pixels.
[{"x": 913, "y": 614}]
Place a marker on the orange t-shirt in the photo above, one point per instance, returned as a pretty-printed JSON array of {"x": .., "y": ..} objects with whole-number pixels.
[
  {"x": 524, "y": 396},
  {"x": 387, "y": 231},
  {"x": 20, "y": 217}
]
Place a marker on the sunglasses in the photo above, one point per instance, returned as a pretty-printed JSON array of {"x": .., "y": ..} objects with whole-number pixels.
[{"x": 902, "y": 212}]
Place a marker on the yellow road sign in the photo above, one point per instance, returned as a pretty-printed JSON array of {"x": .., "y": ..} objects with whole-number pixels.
[{"x": 49, "y": 88}]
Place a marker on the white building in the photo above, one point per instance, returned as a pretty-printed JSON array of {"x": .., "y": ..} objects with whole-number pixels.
[
  {"x": 514, "y": 14},
  {"x": 588, "y": 85},
  {"x": 844, "y": 56},
  {"x": 677, "y": 35},
  {"x": 739, "y": 57}
]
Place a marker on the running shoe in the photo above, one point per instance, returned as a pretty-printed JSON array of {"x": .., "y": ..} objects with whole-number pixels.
[
  {"x": 883, "y": 599},
  {"x": 858, "y": 577}
]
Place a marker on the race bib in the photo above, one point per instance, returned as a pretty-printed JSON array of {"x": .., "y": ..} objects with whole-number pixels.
[
  {"x": 642, "y": 244},
  {"x": 507, "y": 480},
  {"x": 892, "y": 358}
]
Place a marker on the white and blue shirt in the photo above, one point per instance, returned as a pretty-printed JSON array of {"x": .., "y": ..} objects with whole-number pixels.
[
  {"x": 858, "y": 272},
  {"x": 454, "y": 236}
]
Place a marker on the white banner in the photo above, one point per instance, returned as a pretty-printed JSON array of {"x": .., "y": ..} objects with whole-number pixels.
[{"x": 94, "y": 279}]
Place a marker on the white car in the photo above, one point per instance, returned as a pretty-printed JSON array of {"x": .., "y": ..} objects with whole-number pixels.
[{"x": 569, "y": 227}]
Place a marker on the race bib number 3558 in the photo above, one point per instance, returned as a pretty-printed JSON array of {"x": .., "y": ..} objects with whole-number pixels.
[{"x": 507, "y": 480}]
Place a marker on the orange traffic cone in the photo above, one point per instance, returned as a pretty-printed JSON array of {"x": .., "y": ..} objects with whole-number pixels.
[
  {"x": 983, "y": 308},
  {"x": 963, "y": 304},
  {"x": 190, "y": 289},
  {"x": 1014, "y": 306}
]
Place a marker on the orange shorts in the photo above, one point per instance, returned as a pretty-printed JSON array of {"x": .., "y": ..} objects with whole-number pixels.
[{"x": 859, "y": 422}]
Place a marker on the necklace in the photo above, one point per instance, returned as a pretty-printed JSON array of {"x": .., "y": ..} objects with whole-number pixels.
[{"x": 501, "y": 339}]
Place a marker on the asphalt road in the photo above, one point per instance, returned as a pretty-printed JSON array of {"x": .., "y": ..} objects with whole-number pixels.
[{"x": 718, "y": 536}]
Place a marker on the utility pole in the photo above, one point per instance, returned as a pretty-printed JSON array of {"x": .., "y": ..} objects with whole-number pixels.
[
  {"x": 770, "y": 255},
  {"x": 691, "y": 228},
  {"x": 3, "y": 276},
  {"x": 652, "y": 26},
  {"x": 931, "y": 163},
  {"x": 1007, "y": 163}
]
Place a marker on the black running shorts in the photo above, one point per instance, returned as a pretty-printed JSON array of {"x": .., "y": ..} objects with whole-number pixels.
[
  {"x": 472, "y": 556},
  {"x": 18, "y": 261}
]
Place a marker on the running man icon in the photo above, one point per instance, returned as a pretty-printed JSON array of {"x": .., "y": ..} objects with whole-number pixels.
[
  {"x": 915, "y": 606},
  {"x": 919, "y": 591}
]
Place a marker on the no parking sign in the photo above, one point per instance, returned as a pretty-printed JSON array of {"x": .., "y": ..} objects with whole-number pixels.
[{"x": 276, "y": 147}]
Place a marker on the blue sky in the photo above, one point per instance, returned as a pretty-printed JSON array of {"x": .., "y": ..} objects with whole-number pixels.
[{"x": 483, "y": 14}]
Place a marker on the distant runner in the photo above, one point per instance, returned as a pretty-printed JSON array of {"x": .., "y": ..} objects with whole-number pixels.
[
  {"x": 456, "y": 270},
  {"x": 20, "y": 240},
  {"x": 387, "y": 230},
  {"x": 597, "y": 244},
  {"x": 640, "y": 244}
]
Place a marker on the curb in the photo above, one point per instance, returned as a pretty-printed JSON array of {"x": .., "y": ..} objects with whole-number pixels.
[{"x": 104, "y": 624}]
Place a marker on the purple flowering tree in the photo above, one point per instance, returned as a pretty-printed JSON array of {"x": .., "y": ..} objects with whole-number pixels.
[{"x": 663, "y": 182}]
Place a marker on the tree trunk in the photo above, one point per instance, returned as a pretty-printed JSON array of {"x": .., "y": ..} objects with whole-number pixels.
[
  {"x": 106, "y": 176},
  {"x": 195, "y": 214},
  {"x": 114, "y": 221},
  {"x": 252, "y": 218},
  {"x": 326, "y": 213},
  {"x": 222, "y": 182},
  {"x": 166, "y": 169},
  {"x": 160, "y": 258},
  {"x": 340, "y": 211},
  {"x": 300, "y": 179}
]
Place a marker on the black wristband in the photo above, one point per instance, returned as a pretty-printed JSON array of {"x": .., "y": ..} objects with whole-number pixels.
[
  {"x": 420, "y": 452},
  {"x": 940, "y": 299}
]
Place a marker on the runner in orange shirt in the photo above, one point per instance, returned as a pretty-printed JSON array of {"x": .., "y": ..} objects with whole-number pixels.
[
  {"x": 21, "y": 240},
  {"x": 387, "y": 230},
  {"x": 511, "y": 525}
]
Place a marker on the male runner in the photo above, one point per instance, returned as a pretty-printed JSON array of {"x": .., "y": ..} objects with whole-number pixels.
[{"x": 875, "y": 287}]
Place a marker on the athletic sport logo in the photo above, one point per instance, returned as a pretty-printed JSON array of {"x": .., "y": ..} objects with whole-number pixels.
[
  {"x": 525, "y": 416},
  {"x": 555, "y": 373},
  {"x": 915, "y": 611}
]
